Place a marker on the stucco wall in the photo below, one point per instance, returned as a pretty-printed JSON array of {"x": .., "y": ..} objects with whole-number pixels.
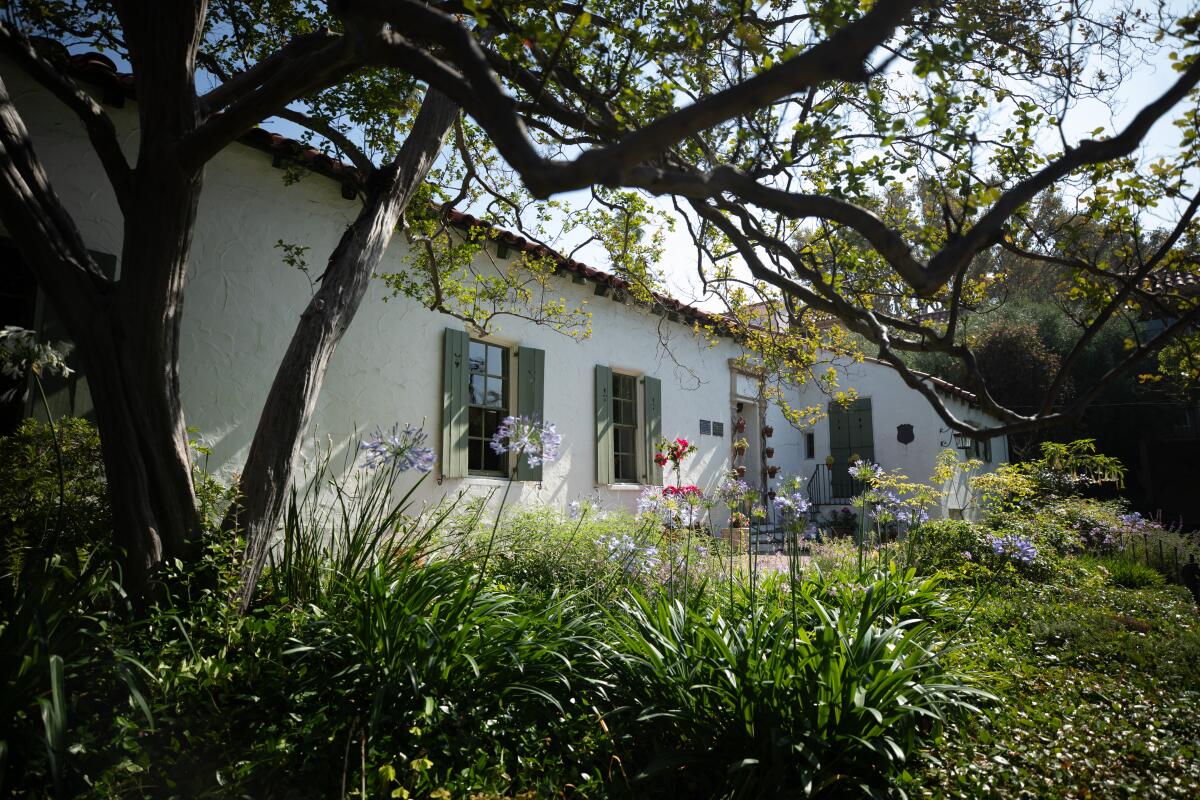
[
  {"x": 894, "y": 404},
  {"x": 242, "y": 304}
]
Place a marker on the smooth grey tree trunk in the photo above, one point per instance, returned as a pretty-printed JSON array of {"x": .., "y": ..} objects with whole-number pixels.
[{"x": 290, "y": 403}]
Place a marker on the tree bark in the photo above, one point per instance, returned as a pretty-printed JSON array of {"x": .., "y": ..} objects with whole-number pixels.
[
  {"x": 127, "y": 330},
  {"x": 293, "y": 395}
]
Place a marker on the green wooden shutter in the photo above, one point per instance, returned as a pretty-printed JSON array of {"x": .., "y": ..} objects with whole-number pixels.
[
  {"x": 454, "y": 403},
  {"x": 862, "y": 435},
  {"x": 531, "y": 364},
  {"x": 652, "y": 404},
  {"x": 604, "y": 429}
]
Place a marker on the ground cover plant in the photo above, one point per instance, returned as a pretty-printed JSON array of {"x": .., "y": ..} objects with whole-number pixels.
[{"x": 458, "y": 652}]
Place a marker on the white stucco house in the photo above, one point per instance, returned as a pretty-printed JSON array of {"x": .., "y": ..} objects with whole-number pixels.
[{"x": 642, "y": 373}]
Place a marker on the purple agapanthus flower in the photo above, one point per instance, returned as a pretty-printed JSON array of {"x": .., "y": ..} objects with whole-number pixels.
[
  {"x": 405, "y": 448},
  {"x": 537, "y": 440},
  {"x": 634, "y": 558},
  {"x": 865, "y": 471},
  {"x": 791, "y": 504},
  {"x": 734, "y": 490},
  {"x": 1015, "y": 547},
  {"x": 911, "y": 516}
]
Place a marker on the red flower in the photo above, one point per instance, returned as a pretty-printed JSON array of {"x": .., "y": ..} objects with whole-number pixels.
[{"x": 660, "y": 459}]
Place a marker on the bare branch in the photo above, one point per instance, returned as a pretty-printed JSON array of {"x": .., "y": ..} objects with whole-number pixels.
[
  {"x": 35, "y": 218},
  {"x": 339, "y": 139},
  {"x": 308, "y": 66},
  {"x": 990, "y": 227},
  {"x": 840, "y": 57}
]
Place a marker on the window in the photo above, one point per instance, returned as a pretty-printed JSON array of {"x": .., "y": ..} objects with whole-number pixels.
[
  {"x": 981, "y": 448},
  {"x": 628, "y": 423},
  {"x": 625, "y": 428},
  {"x": 482, "y": 383},
  {"x": 488, "y": 404},
  {"x": 810, "y": 445}
]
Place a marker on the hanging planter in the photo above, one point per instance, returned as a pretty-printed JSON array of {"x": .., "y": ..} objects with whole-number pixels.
[
  {"x": 741, "y": 471},
  {"x": 770, "y": 451},
  {"x": 772, "y": 470},
  {"x": 829, "y": 462},
  {"x": 768, "y": 431},
  {"x": 740, "y": 425}
]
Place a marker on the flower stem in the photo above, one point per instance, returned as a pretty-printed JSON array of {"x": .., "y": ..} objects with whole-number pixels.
[
  {"x": 492, "y": 538},
  {"x": 49, "y": 542}
]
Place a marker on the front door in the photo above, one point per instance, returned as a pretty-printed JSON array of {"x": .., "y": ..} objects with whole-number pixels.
[{"x": 851, "y": 438}]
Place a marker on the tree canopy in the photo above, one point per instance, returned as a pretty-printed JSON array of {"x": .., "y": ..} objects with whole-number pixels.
[{"x": 882, "y": 164}]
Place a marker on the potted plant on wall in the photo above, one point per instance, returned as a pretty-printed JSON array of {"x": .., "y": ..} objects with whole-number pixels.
[
  {"x": 770, "y": 451},
  {"x": 829, "y": 461},
  {"x": 739, "y": 425},
  {"x": 738, "y": 530},
  {"x": 772, "y": 470},
  {"x": 768, "y": 431},
  {"x": 740, "y": 446}
]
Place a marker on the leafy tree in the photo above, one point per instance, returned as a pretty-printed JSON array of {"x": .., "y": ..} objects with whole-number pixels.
[{"x": 772, "y": 128}]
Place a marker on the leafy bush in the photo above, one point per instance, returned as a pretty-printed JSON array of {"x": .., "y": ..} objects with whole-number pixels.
[
  {"x": 1107, "y": 528},
  {"x": 55, "y": 653},
  {"x": 29, "y": 488},
  {"x": 944, "y": 544},
  {"x": 1098, "y": 686},
  {"x": 822, "y": 698},
  {"x": 1130, "y": 574}
]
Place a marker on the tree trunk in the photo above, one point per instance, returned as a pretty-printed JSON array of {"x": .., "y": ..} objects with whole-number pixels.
[
  {"x": 289, "y": 406},
  {"x": 127, "y": 330},
  {"x": 146, "y": 459}
]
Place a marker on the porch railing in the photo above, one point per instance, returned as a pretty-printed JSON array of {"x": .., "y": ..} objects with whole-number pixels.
[{"x": 826, "y": 488}]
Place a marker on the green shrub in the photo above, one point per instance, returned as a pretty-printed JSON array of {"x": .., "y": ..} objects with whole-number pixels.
[
  {"x": 824, "y": 698},
  {"x": 29, "y": 488},
  {"x": 1130, "y": 574},
  {"x": 1107, "y": 528},
  {"x": 944, "y": 544}
]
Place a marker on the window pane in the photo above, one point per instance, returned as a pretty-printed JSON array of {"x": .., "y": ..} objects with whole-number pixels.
[
  {"x": 623, "y": 443},
  {"x": 492, "y": 461},
  {"x": 477, "y": 356},
  {"x": 623, "y": 413},
  {"x": 495, "y": 392},
  {"x": 624, "y": 467},
  {"x": 488, "y": 405},
  {"x": 625, "y": 430},
  {"x": 495, "y": 360},
  {"x": 623, "y": 386},
  {"x": 490, "y": 424}
]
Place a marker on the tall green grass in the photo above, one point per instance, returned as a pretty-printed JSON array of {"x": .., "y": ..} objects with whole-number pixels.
[{"x": 767, "y": 705}]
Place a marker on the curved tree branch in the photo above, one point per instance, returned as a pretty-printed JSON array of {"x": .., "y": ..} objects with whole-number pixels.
[{"x": 96, "y": 122}]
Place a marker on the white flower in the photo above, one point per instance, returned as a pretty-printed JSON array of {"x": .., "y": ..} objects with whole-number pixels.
[{"x": 21, "y": 353}]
